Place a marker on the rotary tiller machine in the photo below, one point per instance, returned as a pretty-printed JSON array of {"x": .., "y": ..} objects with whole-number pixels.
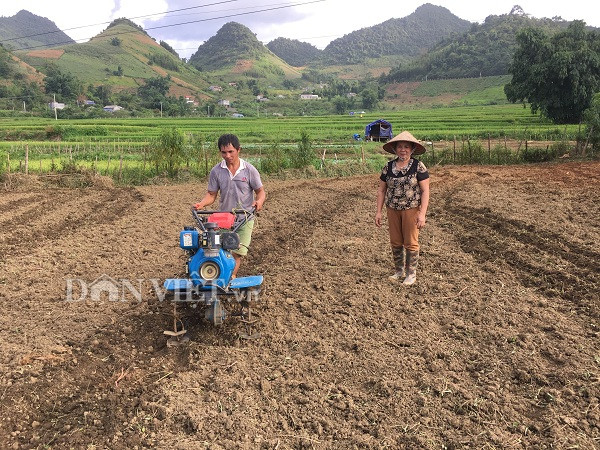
[{"x": 209, "y": 267}]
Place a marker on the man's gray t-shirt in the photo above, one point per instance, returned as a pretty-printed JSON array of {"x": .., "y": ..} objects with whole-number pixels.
[{"x": 235, "y": 191}]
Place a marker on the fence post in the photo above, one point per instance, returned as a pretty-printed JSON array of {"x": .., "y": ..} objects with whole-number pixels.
[
  {"x": 120, "y": 167},
  {"x": 489, "y": 148},
  {"x": 8, "y": 162},
  {"x": 26, "y": 159},
  {"x": 454, "y": 151}
]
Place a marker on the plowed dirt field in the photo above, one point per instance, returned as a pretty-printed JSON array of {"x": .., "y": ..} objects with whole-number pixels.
[{"x": 496, "y": 346}]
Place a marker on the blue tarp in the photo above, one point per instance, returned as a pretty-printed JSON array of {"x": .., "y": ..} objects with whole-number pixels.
[{"x": 380, "y": 130}]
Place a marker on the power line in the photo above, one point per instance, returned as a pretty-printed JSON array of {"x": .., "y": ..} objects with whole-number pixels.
[
  {"x": 130, "y": 18},
  {"x": 182, "y": 23}
]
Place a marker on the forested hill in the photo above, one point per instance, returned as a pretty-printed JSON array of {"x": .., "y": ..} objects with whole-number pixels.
[
  {"x": 294, "y": 52},
  {"x": 408, "y": 36},
  {"x": 484, "y": 50},
  {"x": 26, "y": 30},
  {"x": 232, "y": 42}
]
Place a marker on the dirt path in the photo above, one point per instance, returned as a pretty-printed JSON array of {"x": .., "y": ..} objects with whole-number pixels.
[{"x": 495, "y": 346}]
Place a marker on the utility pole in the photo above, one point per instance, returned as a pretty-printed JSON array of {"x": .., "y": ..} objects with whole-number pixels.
[
  {"x": 160, "y": 109},
  {"x": 208, "y": 110}
]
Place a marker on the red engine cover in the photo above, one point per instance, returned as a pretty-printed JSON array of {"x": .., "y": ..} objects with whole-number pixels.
[{"x": 222, "y": 219}]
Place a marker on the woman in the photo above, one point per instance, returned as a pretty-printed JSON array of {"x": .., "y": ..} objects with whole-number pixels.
[{"x": 404, "y": 188}]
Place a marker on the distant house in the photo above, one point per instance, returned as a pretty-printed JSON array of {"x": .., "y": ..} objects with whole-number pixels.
[
  {"x": 264, "y": 99},
  {"x": 232, "y": 84},
  {"x": 56, "y": 105},
  {"x": 215, "y": 88},
  {"x": 224, "y": 103},
  {"x": 112, "y": 108},
  {"x": 237, "y": 115},
  {"x": 189, "y": 99},
  {"x": 89, "y": 103},
  {"x": 309, "y": 97}
]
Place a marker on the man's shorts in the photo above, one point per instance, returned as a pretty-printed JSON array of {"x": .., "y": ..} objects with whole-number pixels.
[{"x": 245, "y": 234}]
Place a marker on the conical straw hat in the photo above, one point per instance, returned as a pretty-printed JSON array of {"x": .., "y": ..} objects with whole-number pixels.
[{"x": 390, "y": 145}]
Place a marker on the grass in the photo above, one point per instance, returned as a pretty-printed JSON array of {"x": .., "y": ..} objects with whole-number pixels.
[
  {"x": 459, "y": 135},
  {"x": 510, "y": 121}
]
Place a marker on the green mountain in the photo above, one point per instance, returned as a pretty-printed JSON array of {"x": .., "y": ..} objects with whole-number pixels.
[
  {"x": 122, "y": 57},
  {"x": 294, "y": 52},
  {"x": 26, "y": 30},
  {"x": 232, "y": 42},
  {"x": 235, "y": 52},
  {"x": 406, "y": 37},
  {"x": 483, "y": 50}
]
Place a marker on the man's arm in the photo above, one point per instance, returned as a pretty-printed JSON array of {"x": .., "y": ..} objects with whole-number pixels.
[
  {"x": 209, "y": 199},
  {"x": 260, "y": 197}
]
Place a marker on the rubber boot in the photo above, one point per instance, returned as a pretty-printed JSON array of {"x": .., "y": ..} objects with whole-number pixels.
[
  {"x": 412, "y": 261},
  {"x": 399, "y": 262}
]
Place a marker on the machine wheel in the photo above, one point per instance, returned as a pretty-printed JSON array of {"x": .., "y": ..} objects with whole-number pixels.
[{"x": 215, "y": 313}]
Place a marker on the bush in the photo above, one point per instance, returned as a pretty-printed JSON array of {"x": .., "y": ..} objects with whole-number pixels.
[
  {"x": 3, "y": 162},
  {"x": 536, "y": 155},
  {"x": 168, "y": 151},
  {"x": 275, "y": 162},
  {"x": 305, "y": 154}
]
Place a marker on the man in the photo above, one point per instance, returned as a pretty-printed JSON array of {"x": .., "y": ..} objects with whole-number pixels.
[{"x": 239, "y": 185}]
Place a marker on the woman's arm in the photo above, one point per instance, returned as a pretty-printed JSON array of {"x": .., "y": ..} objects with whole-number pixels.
[
  {"x": 424, "y": 186},
  {"x": 380, "y": 198}
]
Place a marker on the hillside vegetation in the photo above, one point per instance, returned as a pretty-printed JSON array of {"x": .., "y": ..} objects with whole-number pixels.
[
  {"x": 408, "y": 36},
  {"x": 294, "y": 52},
  {"x": 236, "y": 51},
  {"x": 121, "y": 57},
  {"x": 483, "y": 50},
  {"x": 26, "y": 30}
]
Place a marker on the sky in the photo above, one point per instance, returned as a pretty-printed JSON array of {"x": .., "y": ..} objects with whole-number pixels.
[{"x": 186, "y": 24}]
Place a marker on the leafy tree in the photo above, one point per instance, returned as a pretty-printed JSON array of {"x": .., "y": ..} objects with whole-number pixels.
[
  {"x": 557, "y": 75},
  {"x": 154, "y": 91},
  {"x": 167, "y": 47},
  {"x": 591, "y": 118},
  {"x": 103, "y": 94},
  {"x": 65, "y": 85},
  {"x": 341, "y": 104},
  {"x": 32, "y": 95},
  {"x": 370, "y": 97},
  {"x": 164, "y": 60}
]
